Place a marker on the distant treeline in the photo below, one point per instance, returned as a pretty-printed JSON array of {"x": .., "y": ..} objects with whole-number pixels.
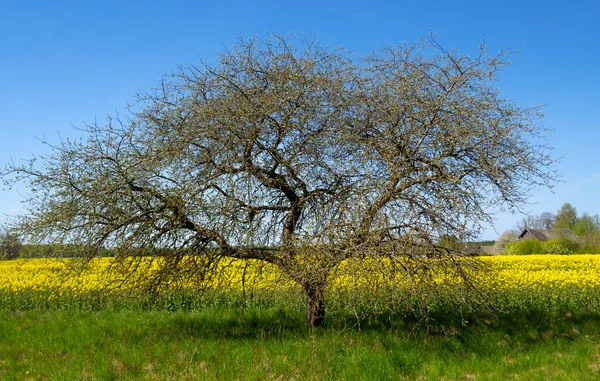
[
  {"x": 482, "y": 243},
  {"x": 72, "y": 250},
  {"x": 60, "y": 251}
]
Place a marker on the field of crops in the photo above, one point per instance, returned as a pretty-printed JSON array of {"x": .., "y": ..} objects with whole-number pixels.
[
  {"x": 511, "y": 282},
  {"x": 54, "y": 309}
]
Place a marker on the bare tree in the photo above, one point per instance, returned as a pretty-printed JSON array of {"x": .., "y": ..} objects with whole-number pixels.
[
  {"x": 527, "y": 222},
  {"x": 504, "y": 239},
  {"x": 298, "y": 155},
  {"x": 545, "y": 220}
]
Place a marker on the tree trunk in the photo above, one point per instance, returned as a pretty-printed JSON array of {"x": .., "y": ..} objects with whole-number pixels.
[{"x": 315, "y": 306}]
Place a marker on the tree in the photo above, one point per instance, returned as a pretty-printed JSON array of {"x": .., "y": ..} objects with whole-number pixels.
[
  {"x": 543, "y": 221},
  {"x": 10, "y": 246},
  {"x": 450, "y": 242},
  {"x": 566, "y": 217},
  {"x": 585, "y": 225},
  {"x": 527, "y": 222},
  {"x": 546, "y": 220},
  {"x": 506, "y": 238},
  {"x": 295, "y": 154},
  {"x": 596, "y": 219}
]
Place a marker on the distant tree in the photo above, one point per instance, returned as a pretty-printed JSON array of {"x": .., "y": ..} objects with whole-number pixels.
[
  {"x": 294, "y": 154},
  {"x": 10, "y": 246},
  {"x": 585, "y": 225},
  {"x": 566, "y": 217},
  {"x": 591, "y": 243},
  {"x": 546, "y": 221},
  {"x": 507, "y": 237},
  {"x": 526, "y": 223},
  {"x": 543, "y": 221},
  {"x": 450, "y": 242}
]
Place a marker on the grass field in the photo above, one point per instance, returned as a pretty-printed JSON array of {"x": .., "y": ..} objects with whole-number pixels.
[
  {"x": 274, "y": 345},
  {"x": 545, "y": 324}
]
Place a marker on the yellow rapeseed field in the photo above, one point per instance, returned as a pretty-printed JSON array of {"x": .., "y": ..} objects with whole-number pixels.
[
  {"x": 50, "y": 274},
  {"x": 77, "y": 277},
  {"x": 541, "y": 272},
  {"x": 510, "y": 272}
]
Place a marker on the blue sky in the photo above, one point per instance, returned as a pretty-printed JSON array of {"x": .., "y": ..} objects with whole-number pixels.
[{"x": 64, "y": 63}]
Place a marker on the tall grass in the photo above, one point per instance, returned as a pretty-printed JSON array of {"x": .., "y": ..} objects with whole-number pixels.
[{"x": 273, "y": 344}]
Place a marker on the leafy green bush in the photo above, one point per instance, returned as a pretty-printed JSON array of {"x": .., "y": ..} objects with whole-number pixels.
[
  {"x": 529, "y": 246},
  {"x": 532, "y": 246},
  {"x": 591, "y": 243},
  {"x": 558, "y": 246}
]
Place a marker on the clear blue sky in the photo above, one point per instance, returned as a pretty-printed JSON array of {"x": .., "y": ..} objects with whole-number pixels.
[{"x": 67, "y": 62}]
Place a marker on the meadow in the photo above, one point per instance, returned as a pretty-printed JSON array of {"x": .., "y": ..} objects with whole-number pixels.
[{"x": 530, "y": 317}]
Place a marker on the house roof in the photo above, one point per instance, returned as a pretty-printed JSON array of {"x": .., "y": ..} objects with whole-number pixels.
[
  {"x": 546, "y": 235},
  {"x": 488, "y": 250},
  {"x": 473, "y": 248}
]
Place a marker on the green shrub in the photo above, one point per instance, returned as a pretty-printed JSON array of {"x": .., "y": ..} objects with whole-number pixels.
[
  {"x": 529, "y": 246},
  {"x": 555, "y": 248},
  {"x": 559, "y": 246},
  {"x": 591, "y": 244},
  {"x": 532, "y": 246}
]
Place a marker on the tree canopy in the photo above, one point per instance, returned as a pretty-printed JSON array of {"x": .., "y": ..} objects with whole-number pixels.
[
  {"x": 285, "y": 145},
  {"x": 10, "y": 246},
  {"x": 585, "y": 225},
  {"x": 566, "y": 217}
]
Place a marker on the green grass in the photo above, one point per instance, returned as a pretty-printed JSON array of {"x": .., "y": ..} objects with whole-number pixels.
[{"x": 272, "y": 343}]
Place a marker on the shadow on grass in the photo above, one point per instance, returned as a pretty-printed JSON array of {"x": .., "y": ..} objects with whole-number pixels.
[
  {"x": 249, "y": 324},
  {"x": 278, "y": 324},
  {"x": 390, "y": 344}
]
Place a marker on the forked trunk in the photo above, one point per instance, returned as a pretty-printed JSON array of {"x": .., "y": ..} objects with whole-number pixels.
[{"x": 315, "y": 306}]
